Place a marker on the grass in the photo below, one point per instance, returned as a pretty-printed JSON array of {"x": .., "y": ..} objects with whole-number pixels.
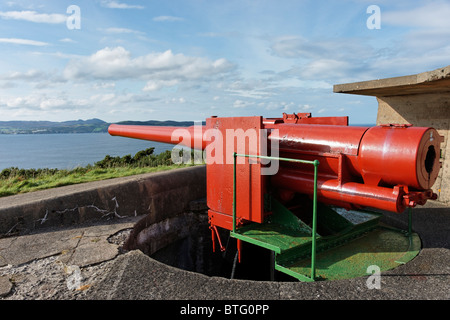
[
  {"x": 19, "y": 184},
  {"x": 14, "y": 181}
]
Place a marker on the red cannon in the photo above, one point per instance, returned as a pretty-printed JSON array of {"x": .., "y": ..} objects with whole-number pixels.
[{"x": 387, "y": 167}]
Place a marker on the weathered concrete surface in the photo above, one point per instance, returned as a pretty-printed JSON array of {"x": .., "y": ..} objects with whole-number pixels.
[
  {"x": 41, "y": 266},
  {"x": 5, "y": 286},
  {"x": 71, "y": 226},
  {"x": 79, "y": 246},
  {"x": 422, "y": 100},
  {"x": 145, "y": 194},
  {"x": 137, "y": 276},
  {"x": 43, "y": 262},
  {"x": 159, "y": 235}
]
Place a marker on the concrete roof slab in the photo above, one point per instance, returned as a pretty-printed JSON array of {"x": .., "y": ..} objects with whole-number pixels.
[{"x": 427, "y": 82}]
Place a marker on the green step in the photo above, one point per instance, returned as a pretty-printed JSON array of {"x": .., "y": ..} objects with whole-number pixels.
[
  {"x": 274, "y": 237},
  {"x": 281, "y": 231},
  {"x": 355, "y": 239},
  {"x": 384, "y": 248}
]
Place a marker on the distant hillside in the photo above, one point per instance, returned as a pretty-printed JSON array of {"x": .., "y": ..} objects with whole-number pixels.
[
  {"x": 75, "y": 126},
  {"x": 39, "y": 127},
  {"x": 159, "y": 123}
]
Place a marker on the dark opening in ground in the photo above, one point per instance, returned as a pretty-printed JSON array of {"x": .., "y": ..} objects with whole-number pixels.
[{"x": 194, "y": 253}]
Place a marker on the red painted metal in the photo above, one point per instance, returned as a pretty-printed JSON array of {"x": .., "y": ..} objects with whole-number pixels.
[
  {"x": 389, "y": 167},
  {"x": 384, "y": 167},
  {"x": 170, "y": 135},
  {"x": 239, "y": 249},
  {"x": 214, "y": 234},
  {"x": 219, "y": 173}
]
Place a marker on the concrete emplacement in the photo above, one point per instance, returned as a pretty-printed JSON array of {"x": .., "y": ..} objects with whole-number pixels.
[
  {"x": 171, "y": 218},
  {"x": 174, "y": 229}
]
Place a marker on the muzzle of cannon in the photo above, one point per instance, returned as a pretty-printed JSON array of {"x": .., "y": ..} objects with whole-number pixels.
[{"x": 265, "y": 172}]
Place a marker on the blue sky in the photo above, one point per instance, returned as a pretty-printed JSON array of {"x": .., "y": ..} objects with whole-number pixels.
[{"x": 191, "y": 59}]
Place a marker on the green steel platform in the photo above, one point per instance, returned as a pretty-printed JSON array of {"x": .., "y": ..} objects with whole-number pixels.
[
  {"x": 349, "y": 242},
  {"x": 357, "y": 242}
]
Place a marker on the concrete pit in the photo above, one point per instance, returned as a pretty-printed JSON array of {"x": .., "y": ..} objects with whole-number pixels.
[{"x": 184, "y": 242}]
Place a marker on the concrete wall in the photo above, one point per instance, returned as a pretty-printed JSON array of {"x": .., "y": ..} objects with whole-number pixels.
[{"x": 158, "y": 196}]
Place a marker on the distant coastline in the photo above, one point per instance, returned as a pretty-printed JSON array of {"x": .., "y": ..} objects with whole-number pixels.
[
  {"x": 75, "y": 126},
  {"x": 84, "y": 126}
]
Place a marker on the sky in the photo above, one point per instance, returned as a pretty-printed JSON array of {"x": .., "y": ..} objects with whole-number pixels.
[{"x": 192, "y": 59}]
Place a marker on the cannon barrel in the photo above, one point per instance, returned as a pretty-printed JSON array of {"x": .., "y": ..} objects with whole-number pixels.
[
  {"x": 163, "y": 134},
  {"x": 389, "y": 167}
]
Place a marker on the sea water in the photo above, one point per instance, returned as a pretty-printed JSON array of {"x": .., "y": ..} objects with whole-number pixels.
[{"x": 67, "y": 151}]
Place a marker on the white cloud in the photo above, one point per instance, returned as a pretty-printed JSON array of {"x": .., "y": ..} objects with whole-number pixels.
[
  {"x": 40, "y": 79},
  {"x": 114, "y": 99},
  {"x": 15, "y": 102},
  {"x": 118, "y": 5},
  {"x": 24, "y": 42},
  {"x": 104, "y": 85},
  {"x": 67, "y": 40},
  {"x": 68, "y": 104},
  {"x": 57, "y": 54},
  {"x": 434, "y": 14},
  {"x": 33, "y": 16},
  {"x": 122, "y": 31},
  {"x": 52, "y": 103},
  {"x": 155, "y": 85},
  {"x": 242, "y": 104},
  {"x": 41, "y": 102},
  {"x": 32, "y": 74},
  {"x": 250, "y": 88},
  {"x": 279, "y": 106},
  {"x": 335, "y": 60},
  {"x": 306, "y": 107},
  {"x": 175, "y": 100},
  {"x": 160, "y": 68},
  {"x": 167, "y": 19},
  {"x": 327, "y": 69},
  {"x": 230, "y": 34},
  {"x": 421, "y": 44},
  {"x": 299, "y": 47}
]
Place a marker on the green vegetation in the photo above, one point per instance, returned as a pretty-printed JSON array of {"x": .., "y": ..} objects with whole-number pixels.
[{"x": 15, "y": 180}]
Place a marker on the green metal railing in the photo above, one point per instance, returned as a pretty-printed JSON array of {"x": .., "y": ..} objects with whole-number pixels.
[{"x": 315, "y": 163}]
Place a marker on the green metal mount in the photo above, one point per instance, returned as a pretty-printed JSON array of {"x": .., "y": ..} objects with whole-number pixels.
[{"x": 351, "y": 241}]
